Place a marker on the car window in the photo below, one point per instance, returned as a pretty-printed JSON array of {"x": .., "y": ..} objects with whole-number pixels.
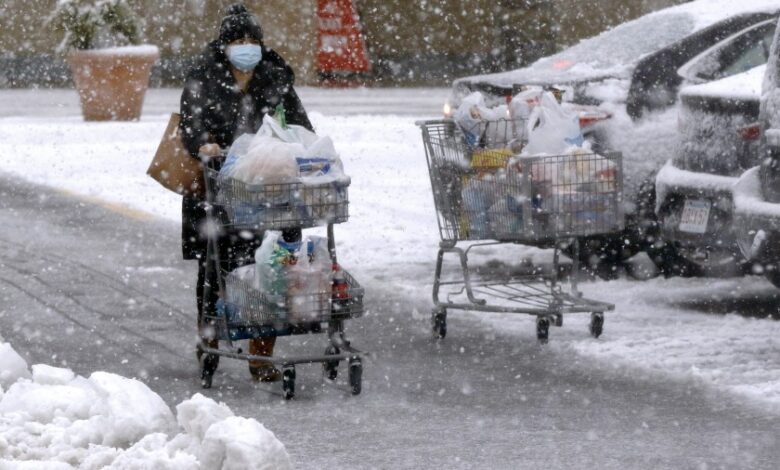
[
  {"x": 623, "y": 44},
  {"x": 741, "y": 52},
  {"x": 755, "y": 54}
]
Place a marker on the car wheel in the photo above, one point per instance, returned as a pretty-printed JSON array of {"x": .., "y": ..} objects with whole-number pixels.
[
  {"x": 648, "y": 233},
  {"x": 670, "y": 262},
  {"x": 602, "y": 256}
]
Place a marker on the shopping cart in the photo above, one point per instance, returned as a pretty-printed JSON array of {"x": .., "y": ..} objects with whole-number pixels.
[
  {"x": 487, "y": 195},
  {"x": 235, "y": 208}
]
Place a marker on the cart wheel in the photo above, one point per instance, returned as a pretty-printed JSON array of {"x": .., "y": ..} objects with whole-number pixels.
[
  {"x": 439, "y": 323},
  {"x": 542, "y": 329},
  {"x": 208, "y": 365},
  {"x": 331, "y": 368},
  {"x": 355, "y": 375},
  {"x": 558, "y": 319},
  {"x": 596, "y": 324},
  {"x": 288, "y": 382}
]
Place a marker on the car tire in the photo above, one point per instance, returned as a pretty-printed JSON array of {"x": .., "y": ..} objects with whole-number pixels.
[
  {"x": 603, "y": 256},
  {"x": 666, "y": 255},
  {"x": 670, "y": 262}
]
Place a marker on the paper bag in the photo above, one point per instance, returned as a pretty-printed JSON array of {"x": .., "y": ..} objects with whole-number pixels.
[{"x": 173, "y": 167}]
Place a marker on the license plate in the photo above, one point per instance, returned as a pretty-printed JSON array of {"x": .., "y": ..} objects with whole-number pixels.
[{"x": 695, "y": 215}]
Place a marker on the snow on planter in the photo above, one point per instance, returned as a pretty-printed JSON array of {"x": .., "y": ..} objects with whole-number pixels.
[{"x": 52, "y": 418}]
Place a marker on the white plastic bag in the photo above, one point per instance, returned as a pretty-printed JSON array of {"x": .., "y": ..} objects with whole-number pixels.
[
  {"x": 309, "y": 281},
  {"x": 480, "y": 124},
  {"x": 277, "y": 155},
  {"x": 271, "y": 261},
  {"x": 551, "y": 129},
  {"x": 523, "y": 103},
  {"x": 295, "y": 276},
  {"x": 267, "y": 161}
]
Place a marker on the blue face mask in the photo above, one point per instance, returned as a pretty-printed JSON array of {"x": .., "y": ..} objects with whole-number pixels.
[{"x": 245, "y": 57}]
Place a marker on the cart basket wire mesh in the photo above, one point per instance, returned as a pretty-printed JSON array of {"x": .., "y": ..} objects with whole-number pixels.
[
  {"x": 247, "y": 311},
  {"x": 490, "y": 193},
  {"x": 281, "y": 205}
]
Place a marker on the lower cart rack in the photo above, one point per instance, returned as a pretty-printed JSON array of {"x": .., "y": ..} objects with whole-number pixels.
[{"x": 540, "y": 295}]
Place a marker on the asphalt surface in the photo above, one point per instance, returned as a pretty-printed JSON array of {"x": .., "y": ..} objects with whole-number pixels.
[{"x": 97, "y": 288}]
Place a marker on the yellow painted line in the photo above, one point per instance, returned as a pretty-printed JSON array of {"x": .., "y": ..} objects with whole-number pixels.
[{"x": 116, "y": 207}]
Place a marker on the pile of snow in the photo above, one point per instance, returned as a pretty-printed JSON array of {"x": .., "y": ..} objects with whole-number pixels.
[{"x": 52, "y": 418}]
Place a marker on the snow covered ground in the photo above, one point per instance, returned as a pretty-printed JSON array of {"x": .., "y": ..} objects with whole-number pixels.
[
  {"x": 706, "y": 331},
  {"x": 51, "y": 418}
]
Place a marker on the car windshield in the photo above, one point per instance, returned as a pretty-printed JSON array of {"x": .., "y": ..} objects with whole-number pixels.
[{"x": 624, "y": 44}]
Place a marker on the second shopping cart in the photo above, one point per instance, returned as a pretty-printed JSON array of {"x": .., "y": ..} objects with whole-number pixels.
[{"x": 486, "y": 192}]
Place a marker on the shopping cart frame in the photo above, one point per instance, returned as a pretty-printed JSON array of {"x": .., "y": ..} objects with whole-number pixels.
[
  {"x": 339, "y": 348},
  {"x": 534, "y": 294}
]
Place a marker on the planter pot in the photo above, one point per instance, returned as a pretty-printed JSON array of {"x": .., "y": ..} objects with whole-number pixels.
[{"x": 112, "y": 82}]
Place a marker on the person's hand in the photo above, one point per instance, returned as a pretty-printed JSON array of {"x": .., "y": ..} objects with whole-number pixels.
[{"x": 210, "y": 150}]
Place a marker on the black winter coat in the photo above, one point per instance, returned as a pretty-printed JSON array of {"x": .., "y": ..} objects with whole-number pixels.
[{"x": 214, "y": 110}]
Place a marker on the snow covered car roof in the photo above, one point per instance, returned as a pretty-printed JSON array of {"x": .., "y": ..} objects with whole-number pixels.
[
  {"x": 743, "y": 86},
  {"x": 614, "y": 52}
]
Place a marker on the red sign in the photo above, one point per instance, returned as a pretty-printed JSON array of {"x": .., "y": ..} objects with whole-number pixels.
[{"x": 341, "y": 47}]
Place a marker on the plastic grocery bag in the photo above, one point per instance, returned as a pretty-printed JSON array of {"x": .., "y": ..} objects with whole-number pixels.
[
  {"x": 482, "y": 127},
  {"x": 276, "y": 154},
  {"x": 551, "y": 129},
  {"x": 295, "y": 277},
  {"x": 309, "y": 281},
  {"x": 267, "y": 161},
  {"x": 271, "y": 262},
  {"x": 476, "y": 202},
  {"x": 523, "y": 103}
]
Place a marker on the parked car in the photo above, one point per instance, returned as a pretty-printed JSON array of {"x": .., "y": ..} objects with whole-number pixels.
[
  {"x": 719, "y": 140},
  {"x": 757, "y": 192},
  {"x": 640, "y": 66},
  {"x": 636, "y": 63}
]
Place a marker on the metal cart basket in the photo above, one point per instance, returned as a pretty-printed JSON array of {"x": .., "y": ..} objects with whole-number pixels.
[
  {"x": 243, "y": 311},
  {"x": 486, "y": 194}
]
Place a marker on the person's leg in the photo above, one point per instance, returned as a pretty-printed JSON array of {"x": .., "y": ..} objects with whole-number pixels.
[
  {"x": 263, "y": 371},
  {"x": 241, "y": 252},
  {"x": 209, "y": 362},
  {"x": 206, "y": 305}
]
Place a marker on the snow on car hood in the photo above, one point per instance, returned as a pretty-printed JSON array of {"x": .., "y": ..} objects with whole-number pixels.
[
  {"x": 615, "y": 52},
  {"x": 744, "y": 86}
]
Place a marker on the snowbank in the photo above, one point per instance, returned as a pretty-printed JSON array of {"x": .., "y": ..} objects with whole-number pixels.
[{"x": 52, "y": 419}]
